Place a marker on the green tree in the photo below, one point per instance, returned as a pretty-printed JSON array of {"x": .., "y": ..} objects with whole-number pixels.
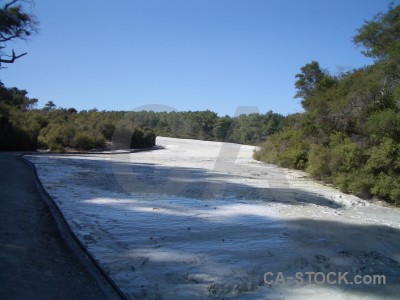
[
  {"x": 307, "y": 80},
  {"x": 380, "y": 37},
  {"x": 220, "y": 131},
  {"x": 349, "y": 134},
  {"x": 15, "y": 23},
  {"x": 50, "y": 105}
]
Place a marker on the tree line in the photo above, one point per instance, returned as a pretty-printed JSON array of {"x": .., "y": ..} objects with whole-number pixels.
[
  {"x": 24, "y": 127},
  {"x": 349, "y": 133}
]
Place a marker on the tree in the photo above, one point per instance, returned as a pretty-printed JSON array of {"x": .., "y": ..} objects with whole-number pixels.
[
  {"x": 381, "y": 36},
  {"x": 349, "y": 133},
  {"x": 308, "y": 78},
  {"x": 49, "y": 106},
  {"x": 15, "y": 23},
  {"x": 380, "y": 39},
  {"x": 72, "y": 110}
]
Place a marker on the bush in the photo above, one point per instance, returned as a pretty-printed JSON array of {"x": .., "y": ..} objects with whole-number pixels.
[
  {"x": 86, "y": 141},
  {"x": 387, "y": 187},
  {"x": 143, "y": 139},
  {"x": 384, "y": 157},
  {"x": 318, "y": 162},
  {"x": 360, "y": 184},
  {"x": 288, "y": 149},
  {"x": 383, "y": 124},
  {"x": 345, "y": 155},
  {"x": 137, "y": 139},
  {"x": 56, "y": 148},
  {"x": 269, "y": 151},
  {"x": 127, "y": 135},
  {"x": 51, "y": 137},
  {"x": 341, "y": 181},
  {"x": 293, "y": 150}
]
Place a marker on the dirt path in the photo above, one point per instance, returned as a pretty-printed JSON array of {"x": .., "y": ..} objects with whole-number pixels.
[{"x": 35, "y": 263}]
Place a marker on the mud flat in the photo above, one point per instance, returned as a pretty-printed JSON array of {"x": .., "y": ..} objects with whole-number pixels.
[{"x": 201, "y": 220}]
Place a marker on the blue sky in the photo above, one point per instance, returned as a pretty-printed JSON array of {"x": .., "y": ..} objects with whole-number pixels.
[{"x": 187, "y": 54}]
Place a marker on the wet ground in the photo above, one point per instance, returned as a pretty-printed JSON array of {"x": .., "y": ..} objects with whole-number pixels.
[{"x": 203, "y": 220}]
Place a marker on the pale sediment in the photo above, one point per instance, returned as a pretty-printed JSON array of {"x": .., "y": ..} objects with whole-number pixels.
[{"x": 203, "y": 219}]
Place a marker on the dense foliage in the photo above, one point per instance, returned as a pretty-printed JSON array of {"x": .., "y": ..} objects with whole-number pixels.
[
  {"x": 24, "y": 128},
  {"x": 349, "y": 134},
  {"x": 207, "y": 125}
]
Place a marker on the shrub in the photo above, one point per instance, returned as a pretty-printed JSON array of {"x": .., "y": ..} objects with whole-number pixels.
[
  {"x": 269, "y": 151},
  {"x": 341, "y": 181},
  {"x": 383, "y": 124},
  {"x": 345, "y": 155},
  {"x": 85, "y": 140},
  {"x": 384, "y": 157},
  {"x": 288, "y": 148},
  {"x": 51, "y": 137},
  {"x": 56, "y": 147},
  {"x": 142, "y": 138},
  {"x": 360, "y": 184},
  {"x": 137, "y": 139},
  {"x": 318, "y": 162},
  {"x": 293, "y": 150}
]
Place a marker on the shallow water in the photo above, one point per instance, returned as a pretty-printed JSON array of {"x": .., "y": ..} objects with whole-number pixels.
[{"x": 203, "y": 220}]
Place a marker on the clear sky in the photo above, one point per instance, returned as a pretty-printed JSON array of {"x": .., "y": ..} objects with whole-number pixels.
[{"x": 187, "y": 54}]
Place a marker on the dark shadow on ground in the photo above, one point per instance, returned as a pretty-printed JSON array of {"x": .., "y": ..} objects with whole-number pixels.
[
  {"x": 35, "y": 262},
  {"x": 194, "y": 183}
]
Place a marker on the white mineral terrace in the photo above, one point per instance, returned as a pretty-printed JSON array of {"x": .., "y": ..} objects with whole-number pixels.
[{"x": 201, "y": 220}]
